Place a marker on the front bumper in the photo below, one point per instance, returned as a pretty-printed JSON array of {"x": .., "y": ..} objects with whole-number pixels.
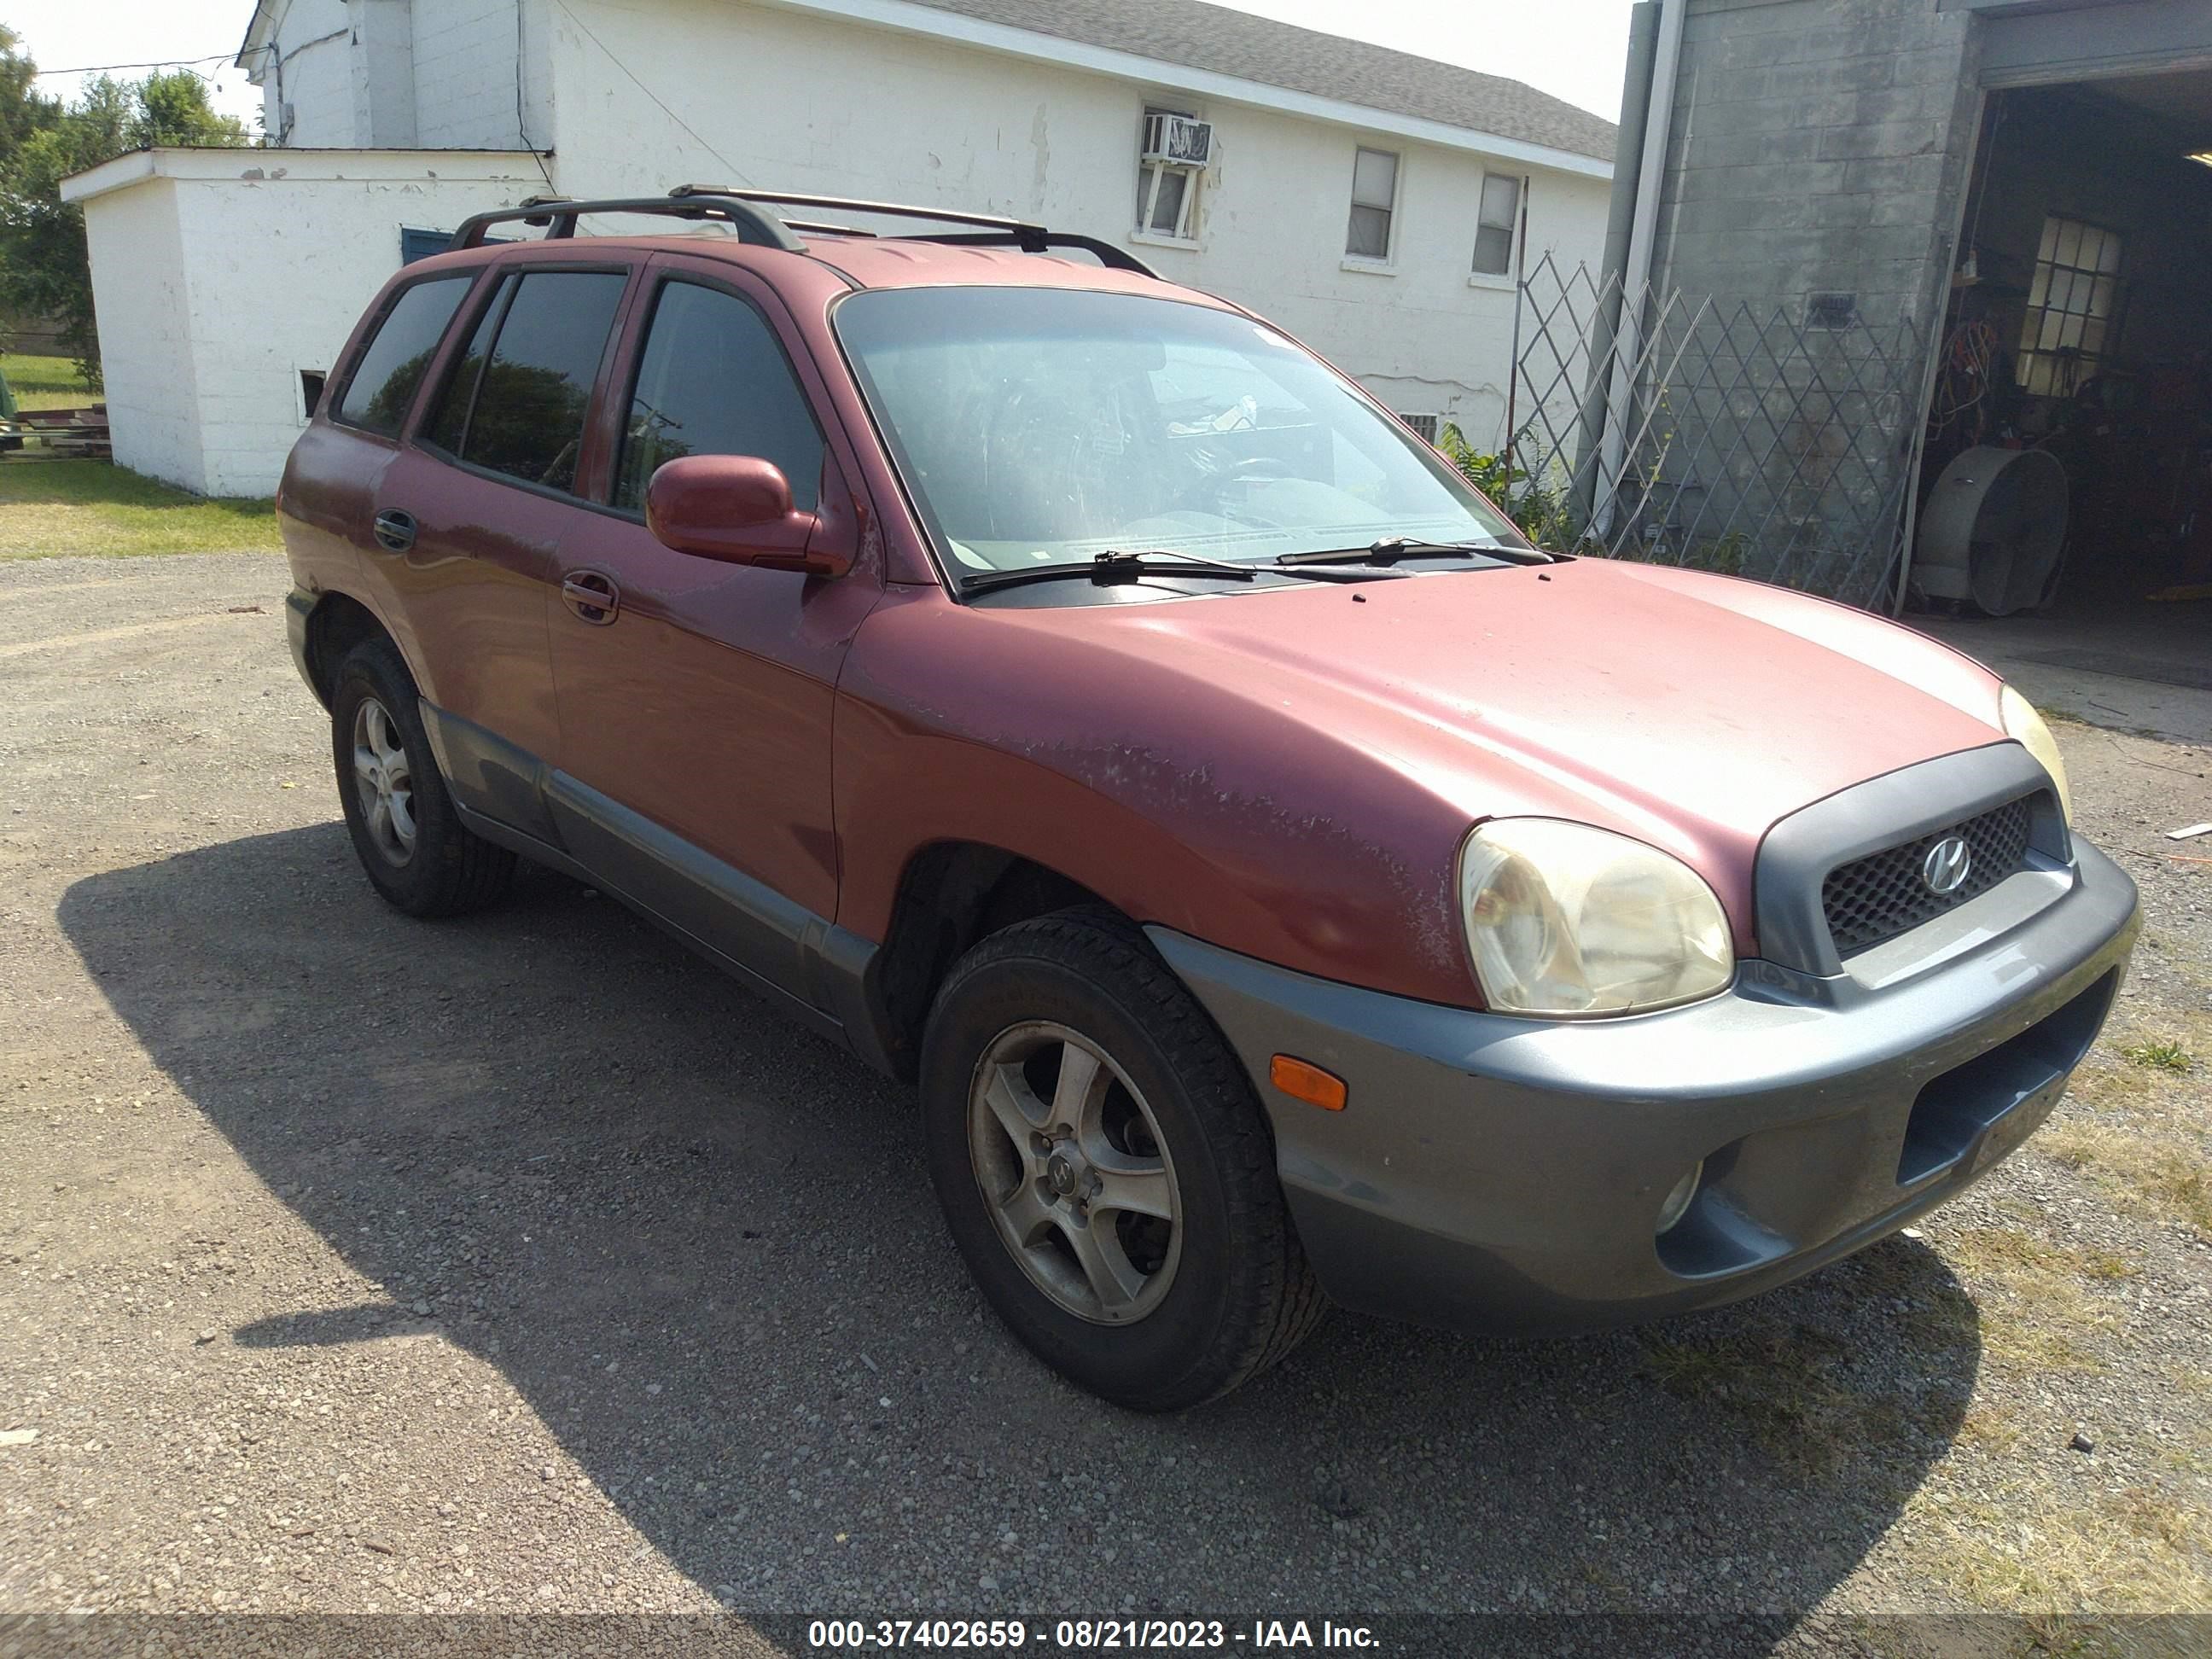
[{"x": 1497, "y": 1172}]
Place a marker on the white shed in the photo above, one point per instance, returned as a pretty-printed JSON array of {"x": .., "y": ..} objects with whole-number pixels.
[{"x": 227, "y": 279}]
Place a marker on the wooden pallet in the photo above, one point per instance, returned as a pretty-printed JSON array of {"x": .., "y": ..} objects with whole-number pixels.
[{"x": 62, "y": 432}]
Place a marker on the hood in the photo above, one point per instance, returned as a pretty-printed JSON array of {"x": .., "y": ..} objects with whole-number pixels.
[{"x": 1689, "y": 710}]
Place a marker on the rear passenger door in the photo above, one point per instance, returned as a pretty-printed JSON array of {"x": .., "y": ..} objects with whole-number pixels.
[
  {"x": 696, "y": 696},
  {"x": 478, "y": 508}
]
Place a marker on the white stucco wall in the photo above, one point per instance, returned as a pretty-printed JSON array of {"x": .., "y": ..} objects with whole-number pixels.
[
  {"x": 141, "y": 287},
  {"x": 310, "y": 65},
  {"x": 827, "y": 104},
  {"x": 219, "y": 274},
  {"x": 469, "y": 73}
]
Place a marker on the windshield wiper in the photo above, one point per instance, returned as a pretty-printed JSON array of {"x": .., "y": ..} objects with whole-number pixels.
[
  {"x": 1116, "y": 568},
  {"x": 1390, "y": 550}
]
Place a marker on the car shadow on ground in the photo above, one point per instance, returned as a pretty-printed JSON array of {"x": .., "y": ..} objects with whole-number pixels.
[{"x": 700, "y": 1244}]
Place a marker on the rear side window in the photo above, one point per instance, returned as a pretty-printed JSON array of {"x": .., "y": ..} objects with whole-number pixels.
[
  {"x": 448, "y": 423},
  {"x": 712, "y": 381},
  {"x": 522, "y": 413},
  {"x": 384, "y": 379}
]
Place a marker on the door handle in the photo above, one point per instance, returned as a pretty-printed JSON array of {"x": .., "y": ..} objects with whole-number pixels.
[
  {"x": 395, "y": 531},
  {"x": 592, "y": 597}
]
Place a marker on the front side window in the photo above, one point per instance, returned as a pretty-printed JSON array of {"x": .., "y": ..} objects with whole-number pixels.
[
  {"x": 515, "y": 403},
  {"x": 1493, "y": 231},
  {"x": 712, "y": 381},
  {"x": 1040, "y": 425},
  {"x": 383, "y": 382},
  {"x": 1374, "y": 197}
]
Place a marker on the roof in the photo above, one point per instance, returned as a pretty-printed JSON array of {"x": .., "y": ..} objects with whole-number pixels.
[
  {"x": 430, "y": 170},
  {"x": 1226, "y": 42}
]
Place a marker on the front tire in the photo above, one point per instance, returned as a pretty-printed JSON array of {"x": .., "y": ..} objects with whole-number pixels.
[
  {"x": 410, "y": 841},
  {"x": 1105, "y": 1169}
]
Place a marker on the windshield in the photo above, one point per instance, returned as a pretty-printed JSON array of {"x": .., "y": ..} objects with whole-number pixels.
[{"x": 1044, "y": 425}]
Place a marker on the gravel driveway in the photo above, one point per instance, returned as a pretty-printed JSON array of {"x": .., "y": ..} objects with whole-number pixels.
[{"x": 523, "y": 1263}]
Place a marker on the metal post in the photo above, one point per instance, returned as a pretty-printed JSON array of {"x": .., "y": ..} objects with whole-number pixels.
[
  {"x": 1636, "y": 277},
  {"x": 1513, "y": 369},
  {"x": 1627, "y": 163}
]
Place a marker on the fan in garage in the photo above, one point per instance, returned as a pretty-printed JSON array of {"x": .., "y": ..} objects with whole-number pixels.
[{"x": 1992, "y": 530}]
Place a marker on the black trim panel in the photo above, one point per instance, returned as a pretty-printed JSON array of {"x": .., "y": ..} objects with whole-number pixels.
[
  {"x": 740, "y": 916},
  {"x": 1800, "y": 851},
  {"x": 489, "y": 776}
]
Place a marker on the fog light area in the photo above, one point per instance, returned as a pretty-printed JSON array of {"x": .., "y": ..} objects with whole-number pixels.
[{"x": 1678, "y": 1201}]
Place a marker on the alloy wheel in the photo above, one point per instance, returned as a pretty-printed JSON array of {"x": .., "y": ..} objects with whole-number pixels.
[
  {"x": 1075, "y": 1172},
  {"x": 384, "y": 781}
]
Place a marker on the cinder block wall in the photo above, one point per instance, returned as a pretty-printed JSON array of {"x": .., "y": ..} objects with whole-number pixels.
[{"x": 1819, "y": 146}]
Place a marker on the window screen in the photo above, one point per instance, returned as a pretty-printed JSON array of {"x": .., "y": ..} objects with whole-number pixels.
[
  {"x": 2073, "y": 304},
  {"x": 528, "y": 420},
  {"x": 1374, "y": 193},
  {"x": 1494, "y": 235},
  {"x": 383, "y": 382},
  {"x": 713, "y": 381}
]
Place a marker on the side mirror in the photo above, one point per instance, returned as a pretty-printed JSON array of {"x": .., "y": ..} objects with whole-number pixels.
[{"x": 737, "y": 508}]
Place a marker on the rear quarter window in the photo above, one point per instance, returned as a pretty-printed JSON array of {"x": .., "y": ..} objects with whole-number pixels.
[{"x": 383, "y": 382}]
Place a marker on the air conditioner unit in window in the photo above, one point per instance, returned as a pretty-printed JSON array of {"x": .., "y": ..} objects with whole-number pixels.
[{"x": 1178, "y": 140}]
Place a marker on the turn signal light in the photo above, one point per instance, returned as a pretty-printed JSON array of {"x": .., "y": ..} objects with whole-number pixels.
[{"x": 1302, "y": 1080}]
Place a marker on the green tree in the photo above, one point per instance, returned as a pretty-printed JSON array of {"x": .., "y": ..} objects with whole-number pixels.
[
  {"x": 22, "y": 110},
  {"x": 44, "y": 267}
]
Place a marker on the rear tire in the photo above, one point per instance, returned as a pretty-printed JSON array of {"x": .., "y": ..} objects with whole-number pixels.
[
  {"x": 410, "y": 841},
  {"x": 1052, "y": 1193}
]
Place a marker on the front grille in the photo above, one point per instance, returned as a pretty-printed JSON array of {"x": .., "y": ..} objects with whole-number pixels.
[{"x": 1883, "y": 895}]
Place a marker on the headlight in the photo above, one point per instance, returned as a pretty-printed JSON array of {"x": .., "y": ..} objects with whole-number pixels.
[
  {"x": 1564, "y": 919},
  {"x": 2025, "y": 727}
]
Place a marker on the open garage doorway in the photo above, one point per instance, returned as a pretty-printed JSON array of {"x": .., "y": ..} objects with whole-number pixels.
[{"x": 2074, "y": 377}]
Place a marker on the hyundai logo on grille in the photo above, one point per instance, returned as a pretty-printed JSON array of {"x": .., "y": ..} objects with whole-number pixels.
[{"x": 1945, "y": 867}]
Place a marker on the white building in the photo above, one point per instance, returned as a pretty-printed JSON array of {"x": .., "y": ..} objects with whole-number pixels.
[{"x": 1370, "y": 201}]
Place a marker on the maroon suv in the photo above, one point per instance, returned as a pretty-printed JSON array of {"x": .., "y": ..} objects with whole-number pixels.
[{"x": 1284, "y": 881}]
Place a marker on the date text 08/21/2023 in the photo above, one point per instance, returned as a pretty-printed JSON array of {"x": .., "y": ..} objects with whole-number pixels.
[{"x": 1087, "y": 1635}]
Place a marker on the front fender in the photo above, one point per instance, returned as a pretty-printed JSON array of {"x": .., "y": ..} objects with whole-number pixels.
[{"x": 1224, "y": 816}]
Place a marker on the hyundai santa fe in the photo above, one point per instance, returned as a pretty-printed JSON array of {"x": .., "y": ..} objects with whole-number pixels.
[{"x": 1284, "y": 884}]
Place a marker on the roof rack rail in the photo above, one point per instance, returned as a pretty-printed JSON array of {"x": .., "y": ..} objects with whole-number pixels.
[
  {"x": 561, "y": 212},
  {"x": 745, "y": 212},
  {"x": 1114, "y": 258},
  {"x": 994, "y": 230}
]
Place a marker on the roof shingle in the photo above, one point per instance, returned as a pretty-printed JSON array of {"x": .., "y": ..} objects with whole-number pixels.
[{"x": 1226, "y": 42}]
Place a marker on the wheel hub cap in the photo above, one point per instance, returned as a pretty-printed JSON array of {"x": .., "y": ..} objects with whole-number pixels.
[
  {"x": 1072, "y": 1165},
  {"x": 384, "y": 782}
]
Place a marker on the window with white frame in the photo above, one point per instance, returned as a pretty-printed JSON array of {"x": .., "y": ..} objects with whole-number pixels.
[
  {"x": 1167, "y": 189},
  {"x": 1493, "y": 230},
  {"x": 1428, "y": 426},
  {"x": 1374, "y": 200},
  {"x": 2073, "y": 306}
]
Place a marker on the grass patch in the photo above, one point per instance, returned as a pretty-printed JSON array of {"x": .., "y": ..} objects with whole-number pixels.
[
  {"x": 45, "y": 382},
  {"x": 86, "y": 508},
  {"x": 2035, "y": 1313},
  {"x": 2035, "y": 1549},
  {"x": 2142, "y": 1173},
  {"x": 2163, "y": 1055}
]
